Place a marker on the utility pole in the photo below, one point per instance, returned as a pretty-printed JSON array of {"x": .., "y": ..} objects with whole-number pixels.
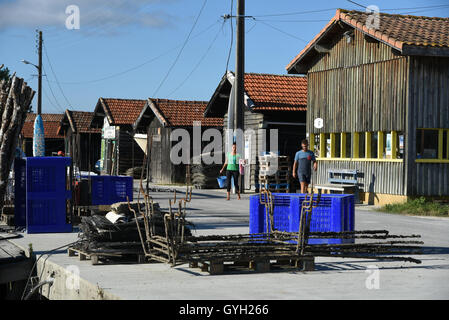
[
  {"x": 240, "y": 81},
  {"x": 39, "y": 89}
]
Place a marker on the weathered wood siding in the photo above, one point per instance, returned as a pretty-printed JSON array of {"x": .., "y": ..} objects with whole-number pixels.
[
  {"x": 161, "y": 168},
  {"x": 129, "y": 153},
  {"x": 358, "y": 52},
  {"x": 361, "y": 86},
  {"x": 369, "y": 97},
  {"x": 428, "y": 108},
  {"x": 377, "y": 177}
]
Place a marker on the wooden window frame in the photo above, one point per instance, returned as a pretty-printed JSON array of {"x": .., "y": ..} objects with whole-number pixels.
[
  {"x": 353, "y": 155},
  {"x": 439, "y": 158}
]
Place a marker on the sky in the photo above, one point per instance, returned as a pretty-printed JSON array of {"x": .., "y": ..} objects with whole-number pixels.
[{"x": 173, "y": 49}]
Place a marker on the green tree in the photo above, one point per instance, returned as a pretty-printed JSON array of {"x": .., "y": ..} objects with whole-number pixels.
[{"x": 4, "y": 74}]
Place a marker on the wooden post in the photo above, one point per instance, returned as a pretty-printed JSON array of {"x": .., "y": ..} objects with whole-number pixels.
[
  {"x": 322, "y": 145},
  {"x": 440, "y": 144},
  {"x": 447, "y": 145},
  {"x": 367, "y": 145},
  {"x": 355, "y": 145},
  {"x": 343, "y": 145},
  {"x": 394, "y": 145},
  {"x": 333, "y": 135},
  {"x": 380, "y": 144},
  {"x": 312, "y": 142}
]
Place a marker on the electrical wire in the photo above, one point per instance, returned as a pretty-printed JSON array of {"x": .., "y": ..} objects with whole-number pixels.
[
  {"x": 181, "y": 50},
  {"x": 281, "y": 31},
  {"x": 56, "y": 78},
  {"x": 294, "y": 13},
  {"x": 232, "y": 38},
  {"x": 114, "y": 75},
  {"x": 49, "y": 253},
  {"x": 51, "y": 102},
  {"x": 52, "y": 93},
  {"x": 198, "y": 63}
]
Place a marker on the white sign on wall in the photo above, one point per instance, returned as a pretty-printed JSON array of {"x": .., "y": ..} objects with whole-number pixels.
[
  {"x": 108, "y": 130},
  {"x": 318, "y": 123}
]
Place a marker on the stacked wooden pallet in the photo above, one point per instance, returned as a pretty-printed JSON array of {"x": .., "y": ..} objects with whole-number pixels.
[{"x": 274, "y": 173}]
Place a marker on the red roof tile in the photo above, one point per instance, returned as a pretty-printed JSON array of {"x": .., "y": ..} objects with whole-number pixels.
[
  {"x": 80, "y": 120},
  {"x": 51, "y": 125},
  {"x": 123, "y": 111},
  {"x": 183, "y": 113},
  {"x": 276, "y": 92},
  {"x": 396, "y": 30}
]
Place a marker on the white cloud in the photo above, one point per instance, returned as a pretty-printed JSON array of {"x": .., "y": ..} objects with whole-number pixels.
[{"x": 94, "y": 14}]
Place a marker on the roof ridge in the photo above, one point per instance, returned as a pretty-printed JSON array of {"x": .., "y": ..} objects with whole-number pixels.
[
  {"x": 275, "y": 75},
  {"x": 123, "y": 99},
  {"x": 396, "y": 15},
  {"x": 184, "y": 101}
]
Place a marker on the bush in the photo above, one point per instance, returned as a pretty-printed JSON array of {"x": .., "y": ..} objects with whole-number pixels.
[{"x": 419, "y": 206}]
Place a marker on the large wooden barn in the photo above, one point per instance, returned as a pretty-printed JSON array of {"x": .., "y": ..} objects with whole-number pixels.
[
  {"x": 157, "y": 121},
  {"x": 82, "y": 143},
  {"x": 271, "y": 102},
  {"x": 383, "y": 95},
  {"x": 115, "y": 117},
  {"x": 53, "y": 141}
]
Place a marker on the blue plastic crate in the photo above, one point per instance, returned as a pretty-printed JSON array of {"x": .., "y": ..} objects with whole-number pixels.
[
  {"x": 334, "y": 213},
  {"x": 42, "y": 191},
  {"x": 107, "y": 190},
  {"x": 20, "y": 189},
  {"x": 281, "y": 214}
]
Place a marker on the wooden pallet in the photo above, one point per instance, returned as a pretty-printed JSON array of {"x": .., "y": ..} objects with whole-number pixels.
[
  {"x": 96, "y": 257},
  {"x": 268, "y": 167},
  {"x": 216, "y": 267}
]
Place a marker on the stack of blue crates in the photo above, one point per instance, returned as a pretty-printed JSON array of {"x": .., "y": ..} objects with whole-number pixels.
[
  {"x": 335, "y": 213},
  {"x": 107, "y": 190},
  {"x": 41, "y": 194}
]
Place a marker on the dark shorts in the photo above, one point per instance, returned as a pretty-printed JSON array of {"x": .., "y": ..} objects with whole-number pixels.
[{"x": 304, "y": 178}]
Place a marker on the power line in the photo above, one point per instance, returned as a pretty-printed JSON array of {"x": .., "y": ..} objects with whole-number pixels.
[
  {"x": 55, "y": 107},
  {"x": 294, "y": 13},
  {"x": 312, "y": 20},
  {"x": 182, "y": 49},
  {"x": 426, "y": 7},
  {"x": 232, "y": 37},
  {"x": 56, "y": 78},
  {"x": 52, "y": 93},
  {"x": 358, "y": 4},
  {"x": 281, "y": 31},
  {"x": 197, "y": 65},
  {"x": 141, "y": 64}
]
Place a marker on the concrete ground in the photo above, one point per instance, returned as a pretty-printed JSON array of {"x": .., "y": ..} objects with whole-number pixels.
[{"x": 333, "y": 278}]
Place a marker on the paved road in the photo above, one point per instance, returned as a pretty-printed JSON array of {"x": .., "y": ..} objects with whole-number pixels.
[{"x": 333, "y": 279}]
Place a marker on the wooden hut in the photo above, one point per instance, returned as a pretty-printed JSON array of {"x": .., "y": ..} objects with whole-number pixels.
[
  {"x": 382, "y": 91},
  {"x": 115, "y": 117},
  {"x": 272, "y": 102},
  {"x": 82, "y": 143},
  {"x": 157, "y": 121},
  {"x": 53, "y": 141}
]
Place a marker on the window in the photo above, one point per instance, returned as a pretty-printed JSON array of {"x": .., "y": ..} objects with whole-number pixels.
[
  {"x": 374, "y": 144},
  {"x": 361, "y": 143},
  {"x": 346, "y": 139},
  {"x": 432, "y": 144},
  {"x": 427, "y": 144}
]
